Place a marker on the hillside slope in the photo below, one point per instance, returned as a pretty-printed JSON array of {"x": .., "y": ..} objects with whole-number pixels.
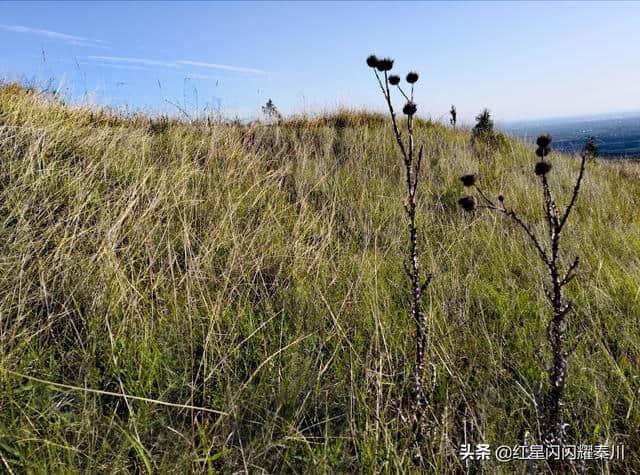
[{"x": 257, "y": 271}]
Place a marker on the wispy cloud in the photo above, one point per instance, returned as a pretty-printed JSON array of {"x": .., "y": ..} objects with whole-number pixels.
[
  {"x": 142, "y": 61},
  {"x": 178, "y": 64},
  {"x": 115, "y": 66},
  {"x": 106, "y": 62},
  {"x": 191, "y": 75},
  {"x": 224, "y": 67},
  {"x": 55, "y": 35}
]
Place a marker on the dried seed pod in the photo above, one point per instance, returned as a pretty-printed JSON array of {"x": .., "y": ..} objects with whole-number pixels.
[
  {"x": 543, "y": 152},
  {"x": 468, "y": 203},
  {"x": 468, "y": 180},
  {"x": 394, "y": 80},
  {"x": 410, "y": 108},
  {"x": 412, "y": 77},
  {"x": 542, "y": 168},
  {"x": 372, "y": 61},
  {"x": 385, "y": 64},
  {"x": 543, "y": 141}
]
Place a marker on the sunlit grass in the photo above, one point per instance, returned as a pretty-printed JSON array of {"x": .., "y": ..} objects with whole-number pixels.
[{"x": 257, "y": 270}]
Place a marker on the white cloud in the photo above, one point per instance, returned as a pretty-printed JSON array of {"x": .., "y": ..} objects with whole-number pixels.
[
  {"x": 142, "y": 61},
  {"x": 115, "y": 66},
  {"x": 55, "y": 35},
  {"x": 224, "y": 67},
  {"x": 174, "y": 64}
]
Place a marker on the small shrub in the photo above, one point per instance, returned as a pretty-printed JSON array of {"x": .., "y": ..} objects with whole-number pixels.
[
  {"x": 590, "y": 148},
  {"x": 484, "y": 140},
  {"x": 271, "y": 112},
  {"x": 484, "y": 124}
]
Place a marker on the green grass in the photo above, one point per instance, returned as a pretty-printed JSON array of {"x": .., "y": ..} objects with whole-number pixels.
[{"x": 257, "y": 270}]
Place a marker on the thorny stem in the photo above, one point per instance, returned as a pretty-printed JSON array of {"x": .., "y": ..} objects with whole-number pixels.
[
  {"x": 387, "y": 96},
  {"x": 576, "y": 188},
  {"x": 418, "y": 287},
  {"x": 512, "y": 214},
  {"x": 552, "y": 402},
  {"x": 403, "y": 93},
  {"x": 483, "y": 196}
]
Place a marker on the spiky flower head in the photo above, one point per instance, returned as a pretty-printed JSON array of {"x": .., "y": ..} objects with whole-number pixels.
[
  {"x": 410, "y": 108},
  {"x": 412, "y": 77},
  {"x": 372, "y": 61},
  {"x": 468, "y": 180},
  {"x": 542, "y": 168},
  {"x": 384, "y": 64},
  {"x": 543, "y": 152},
  {"x": 468, "y": 203},
  {"x": 543, "y": 141},
  {"x": 394, "y": 80}
]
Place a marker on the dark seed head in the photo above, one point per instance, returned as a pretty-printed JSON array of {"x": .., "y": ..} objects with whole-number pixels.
[
  {"x": 500, "y": 198},
  {"x": 543, "y": 151},
  {"x": 385, "y": 64},
  {"x": 468, "y": 203},
  {"x": 372, "y": 61},
  {"x": 543, "y": 141},
  {"x": 542, "y": 168},
  {"x": 412, "y": 77},
  {"x": 468, "y": 180},
  {"x": 394, "y": 80},
  {"x": 410, "y": 108}
]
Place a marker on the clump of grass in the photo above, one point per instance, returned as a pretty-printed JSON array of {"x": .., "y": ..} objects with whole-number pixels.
[
  {"x": 550, "y": 405},
  {"x": 412, "y": 163}
]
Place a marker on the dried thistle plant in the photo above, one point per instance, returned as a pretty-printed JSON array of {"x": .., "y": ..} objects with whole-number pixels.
[
  {"x": 550, "y": 404},
  {"x": 412, "y": 164}
]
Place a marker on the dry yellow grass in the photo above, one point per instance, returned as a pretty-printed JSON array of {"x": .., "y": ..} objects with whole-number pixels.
[{"x": 257, "y": 270}]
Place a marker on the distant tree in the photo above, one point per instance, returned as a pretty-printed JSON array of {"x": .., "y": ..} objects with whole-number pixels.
[
  {"x": 484, "y": 124},
  {"x": 454, "y": 116},
  {"x": 484, "y": 140},
  {"x": 271, "y": 111},
  {"x": 590, "y": 148}
]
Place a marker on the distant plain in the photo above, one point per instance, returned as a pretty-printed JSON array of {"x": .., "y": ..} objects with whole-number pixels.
[{"x": 617, "y": 136}]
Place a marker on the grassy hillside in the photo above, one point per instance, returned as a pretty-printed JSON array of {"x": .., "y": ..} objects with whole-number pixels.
[{"x": 257, "y": 271}]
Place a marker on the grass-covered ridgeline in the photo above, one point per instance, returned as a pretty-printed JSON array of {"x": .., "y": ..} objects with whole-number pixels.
[{"x": 257, "y": 271}]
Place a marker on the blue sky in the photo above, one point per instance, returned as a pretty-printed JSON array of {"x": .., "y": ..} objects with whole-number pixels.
[{"x": 521, "y": 60}]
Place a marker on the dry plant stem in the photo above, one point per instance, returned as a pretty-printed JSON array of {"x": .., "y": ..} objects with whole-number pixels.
[
  {"x": 387, "y": 96},
  {"x": 412, "y": 166},
  {"x": 551, "y": 420}
]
